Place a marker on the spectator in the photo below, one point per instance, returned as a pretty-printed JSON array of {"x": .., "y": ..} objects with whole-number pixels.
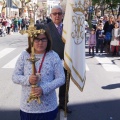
[
  {"x": 9, "y": 22},
  {"x": 100, "y": 22},
  {"x": 100, "y": 39},
  {"x": 105, "y": 19},
  {"x": 27, "y": 22},
  {"x": 109, "y": 25},
  {"x": 92, "y": 41},
  {"x": 19, "y": 23},
  {"x": 48, "y": 19},
  {"x": 115, "y": 42},
  {"x": 15, "y": 24},
  {"x": 94, "y": 22},
  {"x": 23, "y": 23},
  {"x": 4, "y": 23}
]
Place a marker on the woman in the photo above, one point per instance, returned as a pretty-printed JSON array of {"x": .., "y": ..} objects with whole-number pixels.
[
  {"x": 109, "y": 25},
  {"x": 115, "y": 39},
  {"x": 9, "y": 22},
  {"x": 51, "y": 76}
]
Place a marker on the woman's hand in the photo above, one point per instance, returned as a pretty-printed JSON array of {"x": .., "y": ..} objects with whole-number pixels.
[
  {"x": 33, "y": 79},
  {"x": 37, "y": 91}
]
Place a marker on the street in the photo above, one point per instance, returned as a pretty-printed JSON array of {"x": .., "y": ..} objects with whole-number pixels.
[{"x": 100, "y": 99}]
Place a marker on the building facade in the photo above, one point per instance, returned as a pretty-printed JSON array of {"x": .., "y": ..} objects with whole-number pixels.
[{"x": 12, "y": 7}]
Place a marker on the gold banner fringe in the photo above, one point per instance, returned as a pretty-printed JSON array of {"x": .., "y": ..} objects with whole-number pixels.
[{"x": 83, "y": 80}]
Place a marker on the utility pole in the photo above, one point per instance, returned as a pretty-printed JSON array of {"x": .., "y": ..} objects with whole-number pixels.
[{"x": 8, "y": 7}]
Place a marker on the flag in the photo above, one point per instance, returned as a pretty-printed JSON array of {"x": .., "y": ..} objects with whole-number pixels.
[{"x": 74, "y": 38}]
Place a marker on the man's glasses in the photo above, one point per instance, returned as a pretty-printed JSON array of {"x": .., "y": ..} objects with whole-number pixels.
[
  {"x": 40, "y": 39},
  {"x": 59, "y": 13}
]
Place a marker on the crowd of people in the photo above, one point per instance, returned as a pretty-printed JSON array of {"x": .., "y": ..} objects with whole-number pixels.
[
  {"x": 104, "y": 35},
  {"x": 14, "y": 24},
  {"x": 8, "y": 25}
]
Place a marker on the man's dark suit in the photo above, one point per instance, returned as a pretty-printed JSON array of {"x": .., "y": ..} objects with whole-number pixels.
[{"x": 58, "y": 46}]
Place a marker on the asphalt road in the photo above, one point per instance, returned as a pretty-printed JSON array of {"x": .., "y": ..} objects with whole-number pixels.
[{"x": 100, "y": 99}]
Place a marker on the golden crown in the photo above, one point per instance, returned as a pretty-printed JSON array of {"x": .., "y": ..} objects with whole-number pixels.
[{"x": 78, "y": 7}]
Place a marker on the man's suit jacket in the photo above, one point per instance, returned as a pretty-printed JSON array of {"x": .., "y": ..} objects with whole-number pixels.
[{"x": 57, "y": 43}]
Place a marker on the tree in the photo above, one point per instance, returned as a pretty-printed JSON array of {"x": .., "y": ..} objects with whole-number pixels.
[
  {"x": 105, "y": 4},
  {"x": 21, "y": 4},
  {"x": 4, "y": 5}
]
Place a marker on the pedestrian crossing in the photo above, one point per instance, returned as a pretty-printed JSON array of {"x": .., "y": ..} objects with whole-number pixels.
[
  {"x": 11, "y": 64},
  {"x": 105, "y": 62},
  {"x": 6, "y": 51}
]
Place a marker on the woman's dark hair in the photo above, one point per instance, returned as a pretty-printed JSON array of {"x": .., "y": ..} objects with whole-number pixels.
[
  {"x": 92, "y": 29},
  {"x": 41, "y": 26}
]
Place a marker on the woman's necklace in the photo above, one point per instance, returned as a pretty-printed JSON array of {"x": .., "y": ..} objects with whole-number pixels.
[{"x": 40, "y": 67}]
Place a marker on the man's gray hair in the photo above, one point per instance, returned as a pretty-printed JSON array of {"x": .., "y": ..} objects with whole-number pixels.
[{"x": 57, "y": 7}]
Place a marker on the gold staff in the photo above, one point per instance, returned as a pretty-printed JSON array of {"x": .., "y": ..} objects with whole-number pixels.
[{"x": 32, "y": 32}]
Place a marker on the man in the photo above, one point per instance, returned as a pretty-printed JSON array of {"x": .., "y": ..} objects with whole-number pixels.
[
  {"x": 94, "y": 22},
  {"x": 55, "y": 28},
  {"x": 105, "y": 19},
  {"x": 15, "y": 23}
]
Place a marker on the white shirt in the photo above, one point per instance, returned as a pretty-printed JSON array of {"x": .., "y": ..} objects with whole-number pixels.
[
  {"x": 61, "y": 24},
  {"x": 52, "y": 77},
  {"x": 86, "y": 25},
  {"x": 115, "y": 32},
  {"x": 9, "y": 23}
]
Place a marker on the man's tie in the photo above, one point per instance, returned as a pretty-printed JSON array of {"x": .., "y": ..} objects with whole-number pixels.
[{"x": 59, "y": 28}]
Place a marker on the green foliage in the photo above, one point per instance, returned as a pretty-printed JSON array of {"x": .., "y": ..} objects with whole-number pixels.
[
  {"x": 113, "y": 2},
  {"x": 95, "y": 2},
  {"x": 108, "y": 4}
]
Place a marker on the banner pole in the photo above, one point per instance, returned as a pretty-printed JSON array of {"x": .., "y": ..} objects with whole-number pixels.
[{"x": 66, "y": 93}]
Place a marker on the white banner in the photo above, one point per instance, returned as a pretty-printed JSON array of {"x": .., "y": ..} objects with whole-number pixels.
[{"x": 74, "y": 38}]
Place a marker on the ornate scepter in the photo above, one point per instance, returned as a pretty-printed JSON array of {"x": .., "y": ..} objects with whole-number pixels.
[{"x": 32, "y": 32}]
